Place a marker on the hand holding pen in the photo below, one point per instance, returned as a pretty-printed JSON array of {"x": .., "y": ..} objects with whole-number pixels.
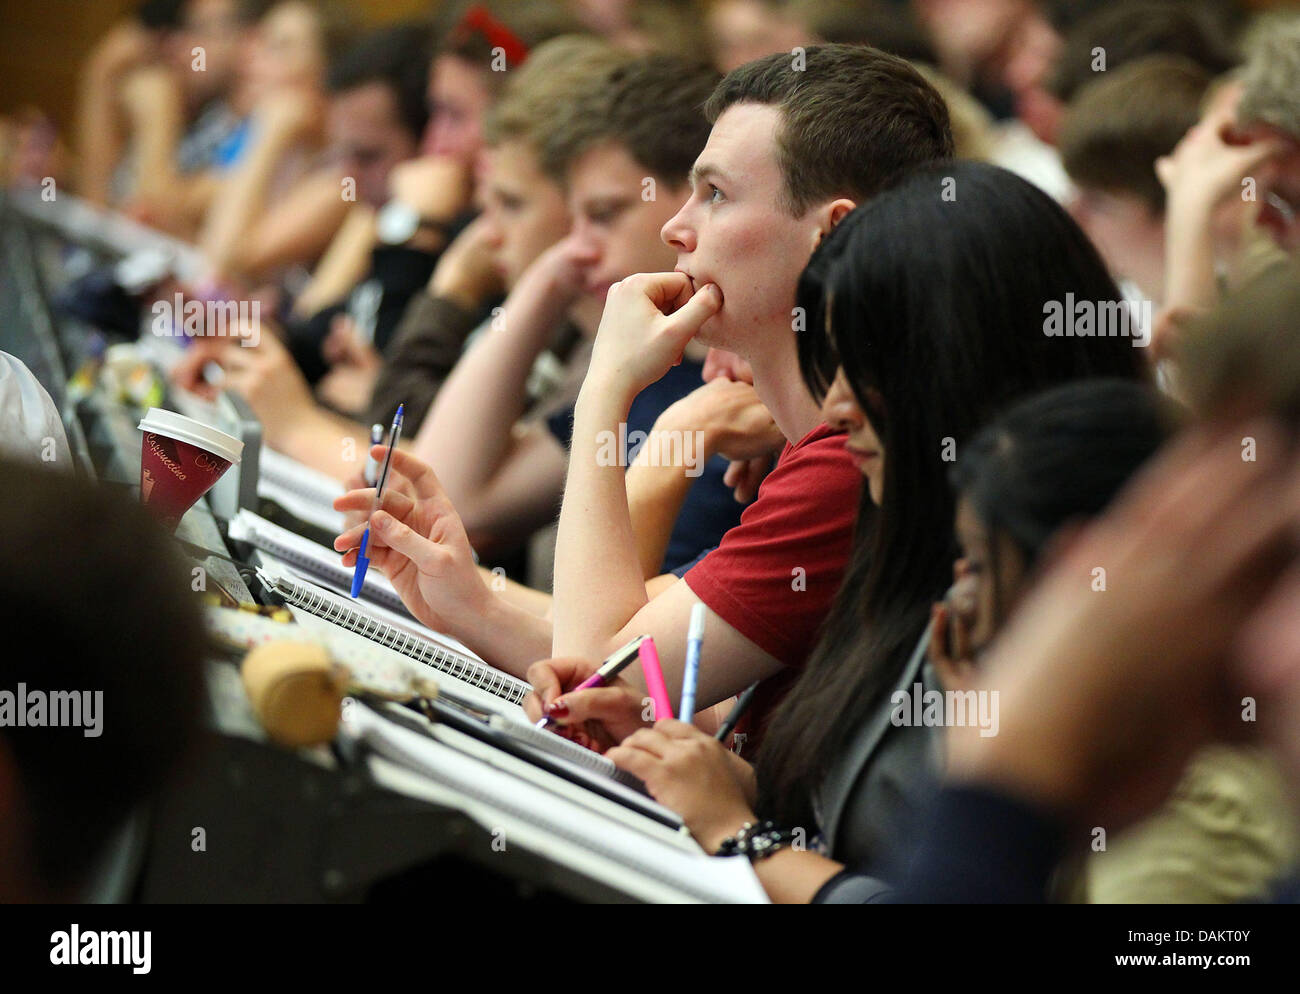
[
  {"x": 419, "y": 543},
  {"x": 363, "y": 563},
  {"x": 613, "y": 665},
  {"x": 598, "y": 716}
]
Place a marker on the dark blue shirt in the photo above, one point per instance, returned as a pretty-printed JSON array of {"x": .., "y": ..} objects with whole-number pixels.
[{"x": 710, "y": 509}]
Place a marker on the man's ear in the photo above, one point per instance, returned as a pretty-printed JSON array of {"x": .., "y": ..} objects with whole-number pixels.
[{"x": 830, "y": 216}]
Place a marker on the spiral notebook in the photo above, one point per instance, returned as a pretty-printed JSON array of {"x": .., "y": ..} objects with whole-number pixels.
[
  {"x": 339, "y": 611},
  {"x": 320, "y": 563},
  {"x": 461, "y": 680}
]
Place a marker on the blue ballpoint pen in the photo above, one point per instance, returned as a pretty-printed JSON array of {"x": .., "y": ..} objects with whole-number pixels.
[
  {"x": 694, "y": 639},
  {"x": 363, "y": 564}
]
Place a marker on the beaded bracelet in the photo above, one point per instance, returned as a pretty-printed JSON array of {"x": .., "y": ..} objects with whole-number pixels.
[{"x": 757, "y": 841}]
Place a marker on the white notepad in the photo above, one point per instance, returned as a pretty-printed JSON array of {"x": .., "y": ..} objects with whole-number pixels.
[{"x": 632, "y": 858}]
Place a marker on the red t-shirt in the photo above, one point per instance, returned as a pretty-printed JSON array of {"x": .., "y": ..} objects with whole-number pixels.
[{"x": 774, "y": 575}]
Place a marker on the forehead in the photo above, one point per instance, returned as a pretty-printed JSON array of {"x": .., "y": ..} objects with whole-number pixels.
[
  {"x": 454, "y": 78},
  {"x": 742, "y": 145},
  {"x": 210, "y": 14},
  {"x": 288, "y": 17},
  {"x": 512, "y": 162},
  {"x": 367, "y": 107},
  {"x": 605, "y": 170}
]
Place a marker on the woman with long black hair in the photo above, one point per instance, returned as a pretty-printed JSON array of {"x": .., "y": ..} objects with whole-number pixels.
[{"x": 926, "y": 315}]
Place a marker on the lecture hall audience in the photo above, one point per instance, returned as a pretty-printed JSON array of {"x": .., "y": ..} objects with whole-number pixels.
[{"x": 825, "y": 239}]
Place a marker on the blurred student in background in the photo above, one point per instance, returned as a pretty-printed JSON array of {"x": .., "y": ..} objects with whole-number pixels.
[
  {"x": 279, "y": 200},
  {"x": 1233, "y": 183},
  {"x": 523, "y": 213},
  {"x": 1025, "y": 485},
  {"x": 1113, "y": 132},
  {"x": 177, "y": 110},
  {"x": 140, "y": 95},
  {"x": 125, "y": 643}
]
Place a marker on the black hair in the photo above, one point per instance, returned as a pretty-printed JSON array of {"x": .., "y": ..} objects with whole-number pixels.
[
  {"x": 397, "y": 56},
  {"x": 161, "y": 15},
  {"x": 1059, "y": 456},
  {"x": 931, "y": 297},
  {"x": 105, "y": 605},
  {"x": 890, "y": 27}
]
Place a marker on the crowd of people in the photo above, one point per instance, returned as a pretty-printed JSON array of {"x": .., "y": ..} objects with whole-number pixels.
[{"x": 947, "y": 352}]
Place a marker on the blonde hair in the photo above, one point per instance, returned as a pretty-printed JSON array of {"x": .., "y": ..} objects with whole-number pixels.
[
  {"x": 559, "y": 76},
  {"x": 1271, "y": 79}
]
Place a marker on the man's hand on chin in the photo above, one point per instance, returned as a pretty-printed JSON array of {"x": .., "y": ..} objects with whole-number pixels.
[{"x": 648, "y": 320}]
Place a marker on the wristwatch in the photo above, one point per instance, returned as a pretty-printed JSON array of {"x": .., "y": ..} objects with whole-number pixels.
[
  {"x": 756, "y": 841},
  {"x": 397, "y": 223}
]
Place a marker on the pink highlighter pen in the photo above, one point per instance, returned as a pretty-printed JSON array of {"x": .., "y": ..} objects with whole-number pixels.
[{"x": 654, "y": 679}]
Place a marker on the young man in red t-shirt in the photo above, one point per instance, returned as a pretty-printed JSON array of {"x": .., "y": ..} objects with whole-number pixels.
[{"x": 797, "y": 142}]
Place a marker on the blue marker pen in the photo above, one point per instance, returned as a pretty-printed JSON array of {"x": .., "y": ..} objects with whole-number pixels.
[
  {"x": 363, "y": 564},
  {"x": 694, "y": 639}
]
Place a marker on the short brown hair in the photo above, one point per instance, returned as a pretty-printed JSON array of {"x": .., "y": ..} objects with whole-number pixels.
[
  {"x": 1125, "y": 32},
  {"x": 854, "y": 120},
  {"x": 1123, "y": 121},
  {"x": 540, "y": 95},
  {"x": 1243, "y": 358},
  {"x": 890, "y": 27},
  {"x": 653, "y": 106}
]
